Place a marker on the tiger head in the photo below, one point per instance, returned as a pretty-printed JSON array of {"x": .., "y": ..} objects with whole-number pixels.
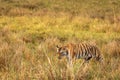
[{"x": 62, "y": 51}]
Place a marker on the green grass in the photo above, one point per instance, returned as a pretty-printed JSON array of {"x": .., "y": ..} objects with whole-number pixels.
[{"x": 38, "y": 28}]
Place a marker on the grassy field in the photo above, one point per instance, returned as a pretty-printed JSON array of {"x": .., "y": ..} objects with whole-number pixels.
[{"x": 30, "y": 30}]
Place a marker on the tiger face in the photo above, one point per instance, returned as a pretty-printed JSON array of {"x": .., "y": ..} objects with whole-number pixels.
[{"x": 62, "y": 51}]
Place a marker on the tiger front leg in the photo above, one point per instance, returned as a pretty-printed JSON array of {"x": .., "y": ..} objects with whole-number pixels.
[{"x": 69, "y": 60}]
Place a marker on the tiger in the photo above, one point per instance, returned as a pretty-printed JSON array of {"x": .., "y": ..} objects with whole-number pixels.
[{"x": 81, "y": 50}]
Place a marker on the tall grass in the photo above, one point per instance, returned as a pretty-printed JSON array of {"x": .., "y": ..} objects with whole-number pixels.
[
  {"x": 27, "y": 48},
  {"x": 30, "y": 30}
]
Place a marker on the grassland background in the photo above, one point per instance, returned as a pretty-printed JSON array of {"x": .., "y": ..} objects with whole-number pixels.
[{"x": 30, "y": 30}]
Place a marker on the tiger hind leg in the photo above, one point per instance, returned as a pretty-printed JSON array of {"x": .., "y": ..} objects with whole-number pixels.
[{"x": 88, "y": 58}]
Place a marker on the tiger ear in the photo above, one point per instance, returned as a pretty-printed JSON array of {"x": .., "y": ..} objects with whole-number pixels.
[{"x": 57, "y": 46}]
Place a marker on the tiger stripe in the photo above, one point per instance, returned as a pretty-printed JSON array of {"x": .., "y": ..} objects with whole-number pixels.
[{"x": 84, "y": 51}]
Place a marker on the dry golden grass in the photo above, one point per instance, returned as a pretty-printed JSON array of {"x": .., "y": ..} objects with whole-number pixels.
[
  {"x": 30, "y": 30},
  {"x": 25, "y": 56},
  {"x": 113, "y": 48}
]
